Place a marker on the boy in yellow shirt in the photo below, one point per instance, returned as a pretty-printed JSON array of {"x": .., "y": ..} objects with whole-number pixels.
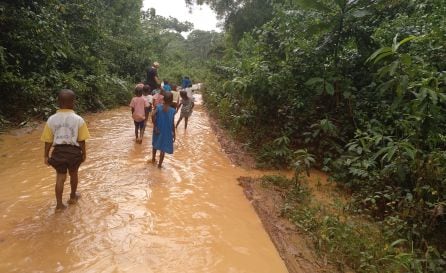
[{"x": 66, "y": 132}]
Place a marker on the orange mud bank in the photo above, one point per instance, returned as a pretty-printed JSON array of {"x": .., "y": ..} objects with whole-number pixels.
[{"x": 293, "y": 245}]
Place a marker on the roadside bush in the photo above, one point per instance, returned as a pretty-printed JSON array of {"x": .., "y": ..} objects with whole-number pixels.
[{"x": 362, "y": 86}]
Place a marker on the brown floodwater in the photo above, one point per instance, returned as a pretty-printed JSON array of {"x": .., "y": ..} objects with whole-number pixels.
[{"x": 190, "y": 216}]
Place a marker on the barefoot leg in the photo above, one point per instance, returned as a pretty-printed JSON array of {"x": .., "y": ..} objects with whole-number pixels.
[
  {"x": 136, "y": 132},
  {"x": 161, "y": 159},
  {"x": 73, "y": 182},
  {"x": 178, "y": 122},
  {"x": 60, "y": 180},
  {"x": 185, "y": 122},
  {"x": 143, "y": 129},
  {"x": 153, "y": 156}
]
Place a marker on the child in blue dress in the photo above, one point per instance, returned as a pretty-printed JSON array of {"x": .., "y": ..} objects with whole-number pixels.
[{"x": 163, "y": 129}]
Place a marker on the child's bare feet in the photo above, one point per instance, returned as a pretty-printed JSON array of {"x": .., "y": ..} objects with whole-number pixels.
[
  {"x": 60, "y": 208},
  {"x": 153, "y": 161},
  {"x": 73, "y": 200}
]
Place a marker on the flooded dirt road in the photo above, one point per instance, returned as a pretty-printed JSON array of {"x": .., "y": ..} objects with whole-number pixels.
[{"x": 190, "y": 216}]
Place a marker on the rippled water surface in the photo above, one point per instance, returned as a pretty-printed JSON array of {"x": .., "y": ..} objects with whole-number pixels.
[{"x": 190, "y": 216}]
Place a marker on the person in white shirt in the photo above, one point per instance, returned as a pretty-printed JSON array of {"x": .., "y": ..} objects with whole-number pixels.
[{"x": 66, "y": 133}]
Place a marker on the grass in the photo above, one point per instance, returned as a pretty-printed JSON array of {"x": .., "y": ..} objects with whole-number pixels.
[{"x": 349, "y": 240}]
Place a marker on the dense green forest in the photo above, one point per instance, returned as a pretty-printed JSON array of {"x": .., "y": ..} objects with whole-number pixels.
[
  {"x": 359, "y": 88},
  {"x": 356, "y": 88},
  {"x": 97, "y": 48}
]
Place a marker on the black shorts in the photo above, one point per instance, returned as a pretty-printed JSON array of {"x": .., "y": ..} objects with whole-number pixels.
[
  {"x": 65, "y": 157},
  {"x": 140, "y": 124}
]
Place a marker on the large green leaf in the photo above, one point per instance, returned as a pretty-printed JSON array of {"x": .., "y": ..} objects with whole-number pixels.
[
  {"x": 380, "y": 54},
  {"x": 402, "y": 42}
]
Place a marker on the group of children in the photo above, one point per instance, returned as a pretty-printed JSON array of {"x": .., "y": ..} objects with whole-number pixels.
[
  {"x": 65, "y": 132},
  {"x": 162, "y": 105}
]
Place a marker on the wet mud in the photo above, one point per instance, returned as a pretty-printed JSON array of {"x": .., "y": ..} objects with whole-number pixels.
[{"x": 190, "y": 216}]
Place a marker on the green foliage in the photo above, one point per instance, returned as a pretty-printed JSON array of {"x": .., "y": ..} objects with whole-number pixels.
[
  {"x": 396, "y": 170},
  {"x": 355, "y": 242},
  {"x": 277, "y": 154},
  {"x": 163, "y": 23},
  {"x": 303, "y": 161},
  {"x": 362, "y": 86},
  {"x": 99, "y": 49},
  {"x": 51, "y": 45}
]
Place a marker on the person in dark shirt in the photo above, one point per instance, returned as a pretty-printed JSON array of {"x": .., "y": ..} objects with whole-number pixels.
[{"x": 152, "y": 76}]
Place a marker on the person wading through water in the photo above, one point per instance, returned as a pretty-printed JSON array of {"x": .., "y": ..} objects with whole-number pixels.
[{"x": 66, "y": 133}]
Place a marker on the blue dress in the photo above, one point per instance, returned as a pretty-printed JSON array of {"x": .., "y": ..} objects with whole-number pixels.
[{"x": 163, "y": 141}]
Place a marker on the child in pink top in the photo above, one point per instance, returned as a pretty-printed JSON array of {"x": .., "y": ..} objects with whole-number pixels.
[
  {"x": 158, "y": 98},
  {"x": 139, "y": 112}
]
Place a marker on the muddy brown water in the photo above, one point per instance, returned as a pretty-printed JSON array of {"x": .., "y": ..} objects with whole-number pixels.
[{"x": 190, "y": 216}]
